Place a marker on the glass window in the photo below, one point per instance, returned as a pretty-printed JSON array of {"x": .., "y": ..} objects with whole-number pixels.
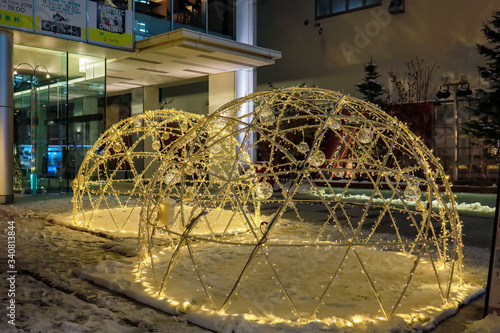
[
  {"x": 322, "y": 8},
  {"x": 155, "y": 17},
  {"x": 154, "y": 8},
  {"x": 39, "y": 85},
  {"x": 86, "y": 88},
  {"x": 221, "y": 17},
  {"x": 152, "y": 17},
  {"x": 190, "y": 14},
  {"x": 354, "y": 4},
  {"x": 325, "y": 8},
  {"x": 58, "y": 99},
  {"x": 338, "y": 6}
]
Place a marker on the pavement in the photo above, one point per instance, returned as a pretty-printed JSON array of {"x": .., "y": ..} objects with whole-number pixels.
[
  {"x": 477, "y": 232},
  {"x": 468, "y": 313}
]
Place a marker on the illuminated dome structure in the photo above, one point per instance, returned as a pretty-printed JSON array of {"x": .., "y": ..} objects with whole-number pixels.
[
  {"x": 115, "y": 172},
  {"x": 286, "y": 238}
]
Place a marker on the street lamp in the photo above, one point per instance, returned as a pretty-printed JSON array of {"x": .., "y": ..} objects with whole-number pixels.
[
  {"x": 33, "y": 98},
  {"x": 464, "y": 90},
  {"x": 34, "y": 69},
  {"x": 461, "y": 89},
  {"x": 444, "y": 92}
]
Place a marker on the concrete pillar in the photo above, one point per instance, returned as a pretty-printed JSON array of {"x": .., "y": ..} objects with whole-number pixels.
[
  {"x": 151, "y": 98},
  {"x": 246, "y": 21},
  {"x": 246, "y": 32},
  {"x": 6, "y": 117},
  {"x": 245, "y": 85},
  {"x": 221, "y": 89},
  {"x": 150, "y": 102},
  {"x": 137, "y": 106}
]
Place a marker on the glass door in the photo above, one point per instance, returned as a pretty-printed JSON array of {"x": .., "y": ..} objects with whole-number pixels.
[
  {"x": 59, "y": 101},
  {"x": 85, "y": 109},
  {"x": 38, "y": 78}
]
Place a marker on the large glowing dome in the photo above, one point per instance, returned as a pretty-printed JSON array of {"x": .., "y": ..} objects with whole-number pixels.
[
  {"x": 114, "y": 174},
  {"x": 263, "y": 216}
]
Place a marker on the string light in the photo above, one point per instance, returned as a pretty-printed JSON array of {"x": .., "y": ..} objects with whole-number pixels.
[
  {"x": 236, "y": 183},
  {"x": 115, "y": 171}
]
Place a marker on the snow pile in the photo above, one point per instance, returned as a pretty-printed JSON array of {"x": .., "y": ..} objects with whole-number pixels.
[
  {"x": 103, "y": 222},
  {"x": 475, "y": 207},
  {"x": 260, "y": 303},
  {"x": 490, "y": 324},
  {"x": 463, "y": 208},
  {"x": 266, "y": 310},
  {"x": 56, "y": 312},
  {"x": 49, "y": 298}
]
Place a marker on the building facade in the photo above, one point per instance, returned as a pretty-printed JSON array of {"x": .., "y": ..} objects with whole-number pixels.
[
  {"x": 327, "y": 43},
  {"x": 72, "y": 69}
]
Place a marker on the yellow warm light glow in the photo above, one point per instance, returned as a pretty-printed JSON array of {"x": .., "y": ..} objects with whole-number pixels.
[
  {"x": 247, "y": 183},
  {"x": 115, "y": 171}
]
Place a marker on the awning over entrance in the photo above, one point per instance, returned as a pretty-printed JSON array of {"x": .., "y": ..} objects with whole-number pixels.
[
  {"x": 164, "y": 59},
  {"x": 180, "y": 55}
]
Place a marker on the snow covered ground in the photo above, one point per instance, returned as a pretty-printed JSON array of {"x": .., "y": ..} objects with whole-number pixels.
[
  {"x": 50, "y": 298},
  {"x": 350, "y": 299},
  {"x": 490, "y": 324}
]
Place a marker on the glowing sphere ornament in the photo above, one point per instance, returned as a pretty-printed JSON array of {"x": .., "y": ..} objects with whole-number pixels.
[
  {"x": 339, "y": 173},
  {"x": 333, "y": 124},
  {"x": 317, "y": 158},
  {"x": 364, "y": 135},
  {"x": 172, "y": 177},
  {"x": 156, "y": 145},
  {"x": 117, "y": 147},
  {"x": 216, "y": 148},
  {"x": 265, "y": 113},
  {"x": 412, "y": 192},
  {"x": 266, "y": 229},
  {"x": 184, "y": 126},
  {"x": 263, "y": 190},
  {"x": 303, "y": 147}
]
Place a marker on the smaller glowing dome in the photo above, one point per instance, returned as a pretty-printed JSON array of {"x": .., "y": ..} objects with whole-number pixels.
[{"x": 114, "y": 174}]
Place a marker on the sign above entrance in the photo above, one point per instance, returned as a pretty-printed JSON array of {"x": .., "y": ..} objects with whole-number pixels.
[
  {"x": 110, "y": 26},
  {"x": 62, "y": 18},
  {"x": 16, "y": 14},
  {"x": 80, "y": 20}
]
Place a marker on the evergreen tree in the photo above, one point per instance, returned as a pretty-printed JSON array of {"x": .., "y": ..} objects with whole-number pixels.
[
  {"x": 487, "y": 110},
  {"x": 371, "y": 88}
]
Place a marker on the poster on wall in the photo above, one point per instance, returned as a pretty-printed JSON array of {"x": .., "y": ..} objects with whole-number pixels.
[
  {"x": 493, "y": 288},
  {"x": 62, "y": 18},
  {"x": 110, "y": 26},
  {"x": 16, "y": 14}
]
